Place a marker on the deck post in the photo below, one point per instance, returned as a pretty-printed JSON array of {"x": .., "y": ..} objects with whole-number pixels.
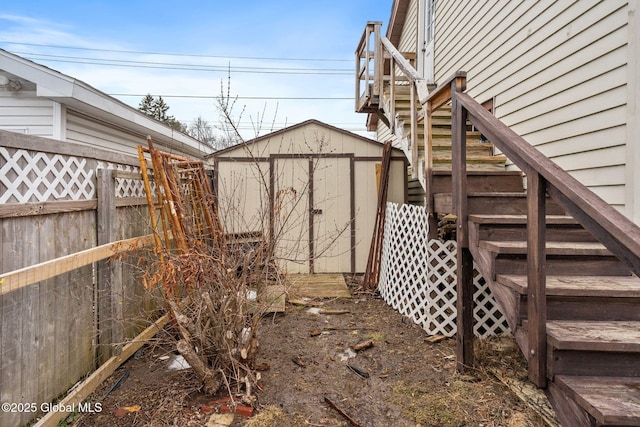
[{"x": 464, "y": 303}]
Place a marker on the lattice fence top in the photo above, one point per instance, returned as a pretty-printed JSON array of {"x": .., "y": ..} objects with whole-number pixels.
[
  {"x": 127, "y": 187},
  {"x": 418, "y": 277},
  {"x": 28, "y": 176}
]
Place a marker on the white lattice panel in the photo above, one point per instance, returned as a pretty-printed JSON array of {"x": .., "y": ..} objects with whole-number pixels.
[
  {"x": 417, "y": 277},
  {"x": 28, "y": 176},
  {"x": 126, "y": 187},
  {"x": 403, "y": 271}
]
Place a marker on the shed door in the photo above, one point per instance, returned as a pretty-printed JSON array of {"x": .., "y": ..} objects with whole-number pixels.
[
  {"x": 291, "y": 213},
  {"x": 312, "y": 214},
  {"x": 332, "y": 214}
]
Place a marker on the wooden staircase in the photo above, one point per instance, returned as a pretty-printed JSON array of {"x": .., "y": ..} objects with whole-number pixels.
[
  {"x": 593, "y": 315},
  {"x": 562, "y": 264},
  {"x": 480, "y": 153}
]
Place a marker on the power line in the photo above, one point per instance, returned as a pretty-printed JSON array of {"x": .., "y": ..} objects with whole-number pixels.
[
  {"x": 301, "y": 98},
  {"x": 136, "y": 52},
  {"x": 214, "y": 67},
  {"x": 194, "y": 68}
]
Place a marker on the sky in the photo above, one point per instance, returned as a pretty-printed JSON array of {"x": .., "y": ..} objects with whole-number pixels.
[{"x": 189, "y": 52}]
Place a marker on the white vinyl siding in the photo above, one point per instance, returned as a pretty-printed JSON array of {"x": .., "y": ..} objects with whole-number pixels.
[
  {"x": 90, "y": 132},
  {"x": 383, "y": 133},
  {"x": 24, "y": 114},
  {"x": 409, "y": 36},
  {"x": 83, "y": 130},
  {"x": 558, "y": 73}
]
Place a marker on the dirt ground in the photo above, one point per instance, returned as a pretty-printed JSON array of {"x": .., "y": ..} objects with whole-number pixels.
[{"x": 309, "y": 365}]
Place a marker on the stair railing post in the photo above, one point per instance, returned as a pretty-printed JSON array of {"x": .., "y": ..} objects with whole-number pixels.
[
  {"x": 464, "y": 271},
  {"x": 428, "y": 172},
  {"x": 414, "y": 132},
  {"x": 536, "y": 278},
  {"x": 392, "y": 90},
  {"x": 378, "y": 59}
]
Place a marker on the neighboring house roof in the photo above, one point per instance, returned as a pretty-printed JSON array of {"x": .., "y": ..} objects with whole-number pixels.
[
  {"x": 83, "y": 98},
  {"x": 290, "y": 128}
]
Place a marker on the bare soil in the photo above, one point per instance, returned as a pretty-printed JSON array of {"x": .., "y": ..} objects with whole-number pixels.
[{"x": 401, "y": 380}]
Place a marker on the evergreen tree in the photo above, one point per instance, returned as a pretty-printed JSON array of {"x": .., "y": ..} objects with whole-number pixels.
[{"x": 158, "y": 108}]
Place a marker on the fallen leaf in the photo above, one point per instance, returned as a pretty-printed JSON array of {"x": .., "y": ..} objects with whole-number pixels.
[{"x": 134, "y": 408}]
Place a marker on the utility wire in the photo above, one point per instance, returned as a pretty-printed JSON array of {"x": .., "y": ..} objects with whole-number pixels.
[
  {"x": 194, "y": 68},
  {"x": 215, "y": 67},
  {"x": 136, "y": 52},
  {"x": 302, "y": 98}
]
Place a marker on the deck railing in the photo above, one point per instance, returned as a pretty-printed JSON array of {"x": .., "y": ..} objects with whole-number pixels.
[
  {"x": 378, "y": 64},
  {"x": 369, "y": 62}
]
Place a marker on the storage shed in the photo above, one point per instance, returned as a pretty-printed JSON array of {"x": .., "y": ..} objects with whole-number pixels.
[{"x": 312, "y": 187}]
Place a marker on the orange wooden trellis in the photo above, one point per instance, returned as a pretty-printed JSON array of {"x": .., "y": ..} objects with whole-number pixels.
[{"x": 185, "y": 204}]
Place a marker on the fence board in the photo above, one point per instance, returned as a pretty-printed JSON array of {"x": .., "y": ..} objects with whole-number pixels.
[
  {"x": 47, "y": 313},
  {"x": 30, "y": 321},
  {"x": 10, "y": 373}
]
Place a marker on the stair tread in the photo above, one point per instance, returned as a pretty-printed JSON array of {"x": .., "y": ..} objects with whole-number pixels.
[
  {"x": 552, "y": 248},
  {"x": 610, "y": 400},
  {"x": 446, "y": 143},
  {"x": 519, "y": 219},
  {"x": 442, "y": 157},
  {"x": 592, "y": 335},
  {"x": 492, "y": 173},
  {"x": 579, "y": 286}
]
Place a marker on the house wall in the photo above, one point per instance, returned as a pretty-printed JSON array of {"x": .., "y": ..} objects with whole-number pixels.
[
  {"x": 23, "y": 112},
  {"x": 633, "y": 120},
  {"x": 86, "y": 131},
  {"x": 559, "y": 76},
  {"x": 409, "y": 36}
]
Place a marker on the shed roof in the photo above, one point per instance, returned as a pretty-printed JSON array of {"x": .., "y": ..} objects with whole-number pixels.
[
  {"x": 79, "y": 96},
  {"x": 292, "y": 128}
]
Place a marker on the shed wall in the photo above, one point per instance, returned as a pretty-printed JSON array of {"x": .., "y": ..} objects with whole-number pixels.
[{"x": 244, "y": 176}]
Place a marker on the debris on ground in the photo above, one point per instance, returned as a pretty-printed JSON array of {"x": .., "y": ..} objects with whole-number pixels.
[{"x": 410, "y": 382}]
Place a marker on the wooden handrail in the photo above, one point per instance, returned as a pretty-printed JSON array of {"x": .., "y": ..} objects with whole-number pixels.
[
  {"x": 407, "y": 69},
  {"x": 442, "y": 94},
  {"x": 618, "y": 233}
]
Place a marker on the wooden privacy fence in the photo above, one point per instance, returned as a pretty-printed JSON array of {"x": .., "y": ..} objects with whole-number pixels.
[{"x": 65, "y": 307}]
